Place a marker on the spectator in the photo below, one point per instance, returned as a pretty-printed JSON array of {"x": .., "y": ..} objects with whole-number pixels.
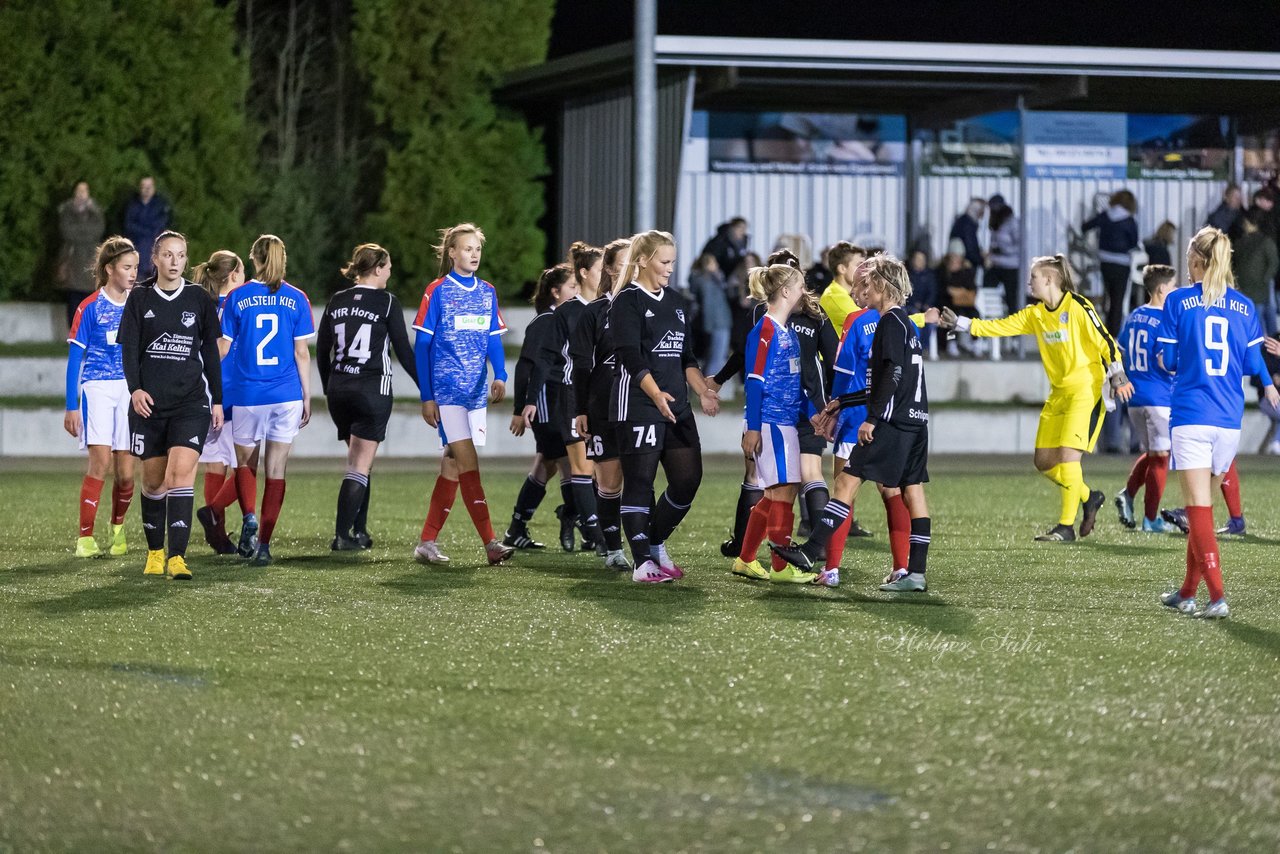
[
  {"x": 958, "y": 291},
  {"x": 81, "y": 225},
  {"x": 1256, "y": 263},
  {"x": 147, "y": 216},
  {"x": 924, "y": 282},
  {"x": 1264, "y": 200},
  {"x": 965, "y": 229},
  {"x": 1117, "y": 237},
  {"x": 729, "y": 246},
  {"x": 1005, "y": 257},
  {"x": 708, "y": 286},
  {"x": 1226, "y": 216},
  {"x": 1157, "y": 246},
  {"x": 1270, "y": 442},
  {"x": 817, "y": 277}
]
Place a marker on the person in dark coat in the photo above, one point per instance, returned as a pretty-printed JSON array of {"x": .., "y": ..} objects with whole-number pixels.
[
  {"x": 1226, "y": 216},
  {"x": 729, "y": 246},
  {"x": 1157, "y": 245},
  {"x": 965, "y": 229},
  {"x": 146, "y": 217},
  {"x": 81, "y": 225},
  {"x": 1117, "y": 237}
]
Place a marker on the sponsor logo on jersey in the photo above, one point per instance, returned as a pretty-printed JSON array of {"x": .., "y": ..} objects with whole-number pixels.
[
  {"x": 471, "y": 323},
  {"x": 1057, "y": 336},
  {"x": 672, "y": 343},
  {"x": 1063, "y": 318},
  {"x": 680, "y": 314},
  {"x": 171, "y": 346},
  {"x": 648, "y": 313},
  {"x": 188, "y": 319},
  {"x": 149, "y": 313}
]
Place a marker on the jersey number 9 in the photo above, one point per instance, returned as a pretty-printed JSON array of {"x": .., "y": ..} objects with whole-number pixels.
[{"x": 1215, "y": 341}]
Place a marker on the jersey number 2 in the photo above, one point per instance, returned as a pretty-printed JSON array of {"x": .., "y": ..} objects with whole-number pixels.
[
  {"x": 1215, "y": 341},
  {"x": 274, "y": 322}
]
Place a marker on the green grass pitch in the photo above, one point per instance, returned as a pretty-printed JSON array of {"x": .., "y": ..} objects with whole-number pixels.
[{"x": 1036, "y": 699}]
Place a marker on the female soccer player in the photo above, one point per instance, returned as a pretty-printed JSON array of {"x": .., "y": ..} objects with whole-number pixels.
[
  {"x": 535, "y": 398},
  {"x": 649, "y": 404},
  {"x": 221, "y": 274},
  {"x": 893, "y": 443},
  {"x": 265, "y": 326},
  {"x": 459, "y": 328},
  {"x": 1149, "y": 405},
  {"x": 1208, "y": 338},
  {"x": 775, "y": 402},
  {"x": 592, "y": 357},
  {"x": 1079, "y": 355},
  {"x": 98, "y": 396},
  {"x": 360, "y": 328},
  {"x": 169, "y": 350}
]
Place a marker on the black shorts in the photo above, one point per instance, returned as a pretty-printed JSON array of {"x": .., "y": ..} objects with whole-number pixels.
[
  {"x": 810, "y": 442},
  {"x": 153, "y": 437},
  {"x": 640, "y": 437},
  {"x": 562, "y": 416},
  {"x": 603, "y": 444},
  {"x": 359, "y": 410},
  {"x": 546, "y": 438},
  {"x": 895, "y": 457}
]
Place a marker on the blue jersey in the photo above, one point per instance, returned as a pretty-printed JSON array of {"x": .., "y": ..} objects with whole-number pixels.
[
  {"x": 852, "y": 360},
  {"x": 1209, "y": 351},
  {"x": 1151, "y": 386},
  {"x": 773, "y": 388},
  {"x": 262, "y": 327},
  {"x": 93, "y": 329},
  {"x": 459, "y": 328}
]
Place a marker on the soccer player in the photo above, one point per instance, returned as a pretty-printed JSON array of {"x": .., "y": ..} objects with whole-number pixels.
[
  {"x": 535, "y": 396},
  {"x": 221, "y": 274},
  {"x": 459, "y": 327},
  {"x": 1149, "y": 406},
  {"x": 893, "y": 443},
  {"x": 775, "y": 401},
  {"x": 360, "y": 328},
  {"x": 98, "y": 396},
  {"x": 837, "y": 298},
  {"x": 265, "y": 326},
  {"x": 592, "y": 358},
  {"x": 1079, "y": 356},
  {"x": 169, "y": 350},
  {"x": 649, "y": 403},
  {"x": 1207, "y": 338}
]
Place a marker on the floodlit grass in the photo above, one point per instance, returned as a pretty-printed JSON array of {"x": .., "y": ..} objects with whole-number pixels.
[{"x": 1036, "y": 699}]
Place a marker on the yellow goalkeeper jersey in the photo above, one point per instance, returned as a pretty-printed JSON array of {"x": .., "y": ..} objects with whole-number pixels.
[
  {"x": 1074, "y": 345},
  {"x": 837, "y": 303}
]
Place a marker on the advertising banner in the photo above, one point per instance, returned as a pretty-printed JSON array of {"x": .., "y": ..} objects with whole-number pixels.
[
  {"x": 806, "y": 143},
  {"x": 1076, "y": 145},
  {"x": 983, "y": 146}
]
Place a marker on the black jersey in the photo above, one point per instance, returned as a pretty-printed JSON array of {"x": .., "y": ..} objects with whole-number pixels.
[
  {"x": 592, "y": 359},
  {"x": 895, "y": 374},
  {"x": 567, "y": 317},
  {"x": 533, "y": 366},
  {"x": 819, "y": 344},
  {"x": 649, "y": 337},
  {"x": 169, "y": 346},
  {"x": 360, "y": 328}
]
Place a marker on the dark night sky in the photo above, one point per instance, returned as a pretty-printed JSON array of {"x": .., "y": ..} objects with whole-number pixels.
[{"x": 1220, "y": 25}]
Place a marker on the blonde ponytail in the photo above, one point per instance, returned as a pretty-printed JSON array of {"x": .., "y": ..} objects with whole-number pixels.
[
  {"x": 1214, "y": 248},
  {"x": 269, "y": 258}
]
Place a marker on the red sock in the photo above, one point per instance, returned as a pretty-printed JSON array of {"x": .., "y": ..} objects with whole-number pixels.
[
  {"x": 227, "y": 493},
  {"x": 757, "y": 525},
  {"x": 90, "y": 493},
  {"x": 441, "y": 503},
  {"x": 121, "y": 497},
  {"x": 477, "y": 505},
  {"x": 782, "y": 519},
  {"x": 895, "y": 509},
  {"x": 835, "y": 545},
  {"x": 212, "y": 484},
  {"x": 272, "y": 501},
  {"x": 1138, "y": 475},
  {"x": 1200, "y": 521},
  {"x": 247, "y": 489},
  {"x": 1231, "y": 491},
  {"x": 1157, "y": 472}
]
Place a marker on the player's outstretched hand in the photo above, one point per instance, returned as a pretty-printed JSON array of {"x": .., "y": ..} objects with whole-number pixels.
[
  {"x": 431, "y": 413},
  {"x": 663, "y": 402},
  {"x": 517, "y": 425},
  {"x": 710, "y": 402},
  {"x": 751, "y": 443},
  {"x": 932, "y": 315},
  {"x": 71, "y": 423},
  {"x": 1124, "y": 392},
  {"x": 497, "y": 391},
  {"x": 866, "y": 433},
  {"x": 823, "y": 424},
  {"x": 216, "y": 418},
  {"x": 1271, "y": 345},
  {"x": 142, "y": 403},
  {"x": 1270, "y": 393}
]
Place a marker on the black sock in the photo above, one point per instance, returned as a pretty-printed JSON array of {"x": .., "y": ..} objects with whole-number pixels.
[
  {"x": 566, "y": 497},
  {"x": 350, "y": 496},
  {"x": 814, "y": 497},
  {"x": 635, "y": 521},
  {"x": 748, "y": 497},
  {"x": 180, "y": 503},
  {"x": 153, "y": 513},
  {"x": 918, "y": 556},
  {"x": 607, "y": 508},
  {"x": 584, "y": 498},
  {"x": 824, "y": 525},
  {"x": 532, "y": 491},
  {"x": 361, "y": 523},
  {"x": 667, "y": 514}
]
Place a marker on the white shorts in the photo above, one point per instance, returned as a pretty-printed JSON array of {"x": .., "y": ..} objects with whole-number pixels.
[
  {"x": 275, "y": 422},
  {"x": 1196, "y": 446},
  {"x": 1152, "y": 426},
  {"x": 220, "y": 446},
  {"x": 104, "y": 409},
  {"x": 779, "y": 457},
  {"x": 458, "y": 423}
]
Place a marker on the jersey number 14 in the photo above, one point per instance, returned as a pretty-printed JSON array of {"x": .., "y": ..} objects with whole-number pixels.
[{"x": 359, "y": 343}]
